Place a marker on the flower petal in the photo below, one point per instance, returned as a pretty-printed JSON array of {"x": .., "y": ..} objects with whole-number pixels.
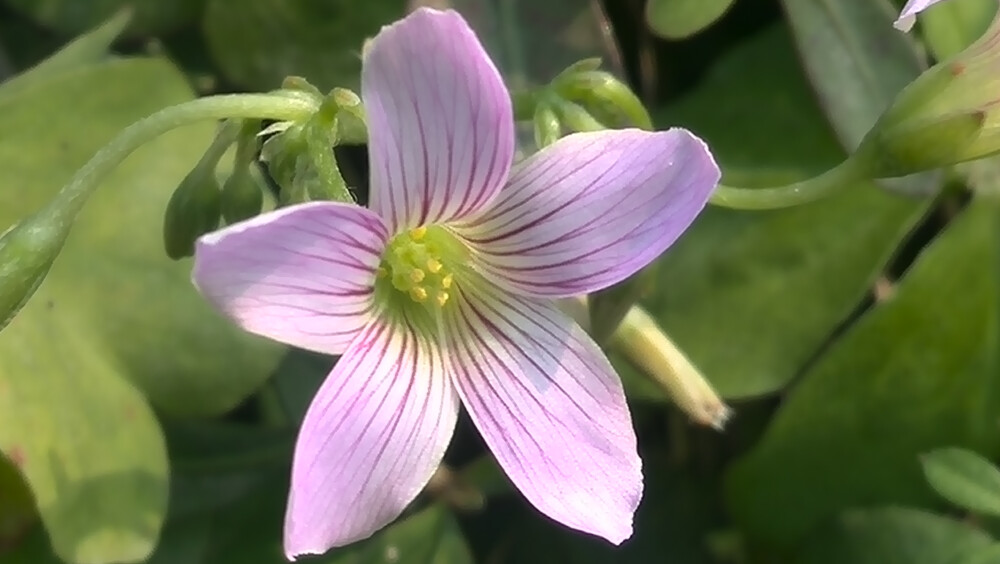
[
  {"x": 302, "y": 275},
  {"x": 551, "y": 408},
  {"x": 441, "y": 129},
  {"x": 371, "y": 439},
  {"x": 909, "y": 14},
  {"x": 591, "y": 210}
]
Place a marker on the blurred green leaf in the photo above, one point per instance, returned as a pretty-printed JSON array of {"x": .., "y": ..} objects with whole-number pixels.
[
  {"x": 893, "y": 535},
  {"x": 75, "y": 16},
  {"x": 964, "y": 478},
  {"x": 89, "y": 48},
  {"x": 678, "y": 19},
  {"x": 750, "y": 297},
  {"x": 257, "y": 43},
  {"x": 916, "y": 373},
  {"x": 986, "y": 555},
  {"x": 952, "y": 26},
  {"x": 857, "y": 64},
  {"x": 853, "y": 58},
  {"x": 85, "y": 439},
  {"x": 134, "y": 313}
]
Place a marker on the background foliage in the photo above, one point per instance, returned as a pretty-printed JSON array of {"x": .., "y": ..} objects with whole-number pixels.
[{"x": 858, "y": 338}]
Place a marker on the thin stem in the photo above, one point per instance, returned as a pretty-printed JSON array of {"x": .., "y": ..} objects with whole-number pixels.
[
  {"x": 71, "y": 198},
  {"x": 798, "y": 193}
]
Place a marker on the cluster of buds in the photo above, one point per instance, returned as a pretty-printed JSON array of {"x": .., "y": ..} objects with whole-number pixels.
[
  {"x": 580, "y": 98},
  {"x": 298, "y": 155}
]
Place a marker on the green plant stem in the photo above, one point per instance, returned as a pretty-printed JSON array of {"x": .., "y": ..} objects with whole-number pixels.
[
  {"x": 74, "y": 195},
  {"x": 794, "y": 194}
]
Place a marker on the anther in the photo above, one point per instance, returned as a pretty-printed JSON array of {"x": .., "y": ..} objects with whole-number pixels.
[
  {"x": 446, "y": 281},
  {"x": 417, "y": 233},
  {"x": 418, "y": 293},
  {"x": 442, "y": 298},
  {"x": 434, "y": 266},
  {"x": 417, "y": 275}
]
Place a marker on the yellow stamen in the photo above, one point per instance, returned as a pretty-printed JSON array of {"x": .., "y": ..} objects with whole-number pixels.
[
  {"x": 442, "y": 298},
  {"x": 418, "y": 293},
  {"x": 417, "y": 275},
  {"x": 446, "y": 281},
  {"x": 417, "y": 233},
  {"x": 434, "y": 266}
]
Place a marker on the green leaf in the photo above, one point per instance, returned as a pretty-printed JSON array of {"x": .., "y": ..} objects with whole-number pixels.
[
  {"x": 987, "y": 555},
  {"x": 964, "y": 478},
  {"x": 678, "y": 19},
  {"x": 134, "y": 313},
  {"x": 854, "y": 59},
  {"x": 857, "y": 65},
  {"x": 915, "y": 373},
  {"x": 893, "y": 535},
  {"x": 320, "y": 41},
  {"x": 74, "y": 16},
  {"x": 750, "y": 297},
  {"x": 952, "y": 26},
  {"x": 88, "y": 444},
  {"x": 89, "y": 48}
]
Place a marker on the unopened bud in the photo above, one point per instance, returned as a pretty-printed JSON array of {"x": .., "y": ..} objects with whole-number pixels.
[
  {"x": 27, "y": 251},
  {"x": 193, "y": 210},
  {"x": 546, "y": 125},
  {"x": 609, "y": 99},
  {"x": 645, "y": 345},
  {"x": 242, "y": 197},
  {"x": 948, "y": 115},
  {"x": 575, "y": 116}
]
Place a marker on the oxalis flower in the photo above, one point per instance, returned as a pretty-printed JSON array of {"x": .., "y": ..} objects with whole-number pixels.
[{"x": 440, "y": 294}]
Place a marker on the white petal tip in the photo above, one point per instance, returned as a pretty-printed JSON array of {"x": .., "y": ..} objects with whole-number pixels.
[{"x": 905, "y": 23}]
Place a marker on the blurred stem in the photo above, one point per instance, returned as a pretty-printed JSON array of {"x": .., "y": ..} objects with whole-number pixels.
[
  {"x": 515, "y": 54},
  {"x": 72, "y": 197},
  {"x": 803, "y": 192}
]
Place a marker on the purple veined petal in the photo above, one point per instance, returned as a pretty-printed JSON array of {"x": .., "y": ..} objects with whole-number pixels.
[
  {"x": 551, "y": 408},
  {"x": 372, "y": 437},
  {"x": 909, "y": 14},
  {"x": 591, "y": 210},
  {"x": 441, "y": 128},
  {"x": 303, "y": 275}
]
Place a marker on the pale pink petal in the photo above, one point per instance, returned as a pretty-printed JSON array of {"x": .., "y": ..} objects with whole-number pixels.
[
  {"x": 441, "y": 130},
  {"x": 373, "y": 435},
  {"x": 909, "y": 14},
  {"x": 550, "y": 407},
  {"x": 591, "y": 210},
  {"x": 302, "y": 275}
]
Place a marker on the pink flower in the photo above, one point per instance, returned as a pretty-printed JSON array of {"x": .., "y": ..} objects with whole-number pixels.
[
  {"x": 909, "y": 14},
  {"x": 440, "y": 293}
]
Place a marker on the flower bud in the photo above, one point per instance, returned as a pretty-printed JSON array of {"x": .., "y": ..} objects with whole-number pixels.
[
  {"x": 194, "y": 210},
  {"x": 575, "y": 116},
  {"x": 547, "y": 127},
  {"x": 646, "y": 346},
  {"x": 27, "y": 251},
  {"x": 948, "y": 115},
  {"x": 242, "y": 197},
  {"x": 610, "y": 100}
]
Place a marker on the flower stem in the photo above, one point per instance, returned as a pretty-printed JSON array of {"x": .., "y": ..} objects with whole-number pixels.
[
  {"x": 73, "y": 195},
  {"x": 803, "y": 192}
]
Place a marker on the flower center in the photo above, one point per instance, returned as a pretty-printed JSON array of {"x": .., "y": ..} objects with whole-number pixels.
[{"x": 421, "y": 263}]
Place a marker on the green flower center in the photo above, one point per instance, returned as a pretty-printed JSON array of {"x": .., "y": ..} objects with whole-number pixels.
[{"x": 419, "y": 268}]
